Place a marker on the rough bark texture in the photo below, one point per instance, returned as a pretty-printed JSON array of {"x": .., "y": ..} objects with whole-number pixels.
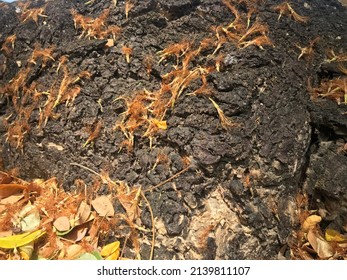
[{"x": 238, "y": 199}]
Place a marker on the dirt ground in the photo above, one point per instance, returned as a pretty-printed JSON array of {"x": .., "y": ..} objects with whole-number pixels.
[{"x": 238, "y": 197}]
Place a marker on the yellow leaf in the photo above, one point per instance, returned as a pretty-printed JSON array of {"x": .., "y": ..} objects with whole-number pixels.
[
  {"x": 15, "y": 241},
  {"x": 333, "y": 235},
  {"x": 111, "y": 251},
  {"x": 311, "y": 222},
  {"x": 160, "y": 124}
]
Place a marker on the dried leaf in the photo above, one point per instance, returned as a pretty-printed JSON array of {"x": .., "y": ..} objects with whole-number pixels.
[
  {"x": 83, "y": 213},
  {"x": 6, "y": 233},
  {"x": 130, "y": 203},
  {"x": 111, "y": 251},
  {"x": 103, "y": 206},
  {"x": 5, "y": 178},
  {"x": 311, "y": 222},
  {"x": 62, "y": 224},
  {"x": 110, "y": 43},
  {"x": 77, "y": 233},
  {"x": 2, "y": 208},
  {"x": 320, "y": 245},
  {"x": 19, "y": 240},
  {"x": 74, "y": 251},
  {"x": 11, "y": 199},
  {"x": 9, "y": 189},
  {"x": 28, "y": 219},
  {"x": 334, "y": 235}
]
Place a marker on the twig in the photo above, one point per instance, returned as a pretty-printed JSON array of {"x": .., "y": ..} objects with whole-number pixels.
[
  {"x": 86, "y": 168},
  {"x": 153, "y": 226},
  {"x": 125, "y": 243},
  {"x": 168, "y": 180}
]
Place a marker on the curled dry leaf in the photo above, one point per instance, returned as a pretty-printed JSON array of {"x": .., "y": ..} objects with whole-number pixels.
[
  {"x": 103, "y": 206},
  {"x": 320, "y": 245},
  {"x": 62, "y": 224},
  {"x": 311, "y": 222}
]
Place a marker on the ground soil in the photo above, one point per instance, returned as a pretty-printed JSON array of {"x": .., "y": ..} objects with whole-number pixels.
[{"x": 237, "y": 201}]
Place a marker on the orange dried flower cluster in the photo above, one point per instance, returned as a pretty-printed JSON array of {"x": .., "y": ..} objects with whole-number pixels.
[
  {"x": 146, "y": 110},
  {"x": 45, "y": 55},
  {"x": 8, "y": 45},
  {"x": 240, "y": 31},
  {"x": 334, "y": 89},
  {"x": 95, "y": 28},
  {"x": 286, "y": 9},
  {"x": 28, "y": 96},
  {"x": 32, "y": 14}
]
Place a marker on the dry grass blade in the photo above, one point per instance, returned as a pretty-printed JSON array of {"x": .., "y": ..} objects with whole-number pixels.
[
  {"x": 169, "y": 179},
  {"x": 153, "y": 224}
]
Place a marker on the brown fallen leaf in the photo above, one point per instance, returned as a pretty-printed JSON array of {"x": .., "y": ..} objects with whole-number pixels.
[
  {"x": 9, "y": 189},
  {"x": 110, "y": 43},
  {"x": 74, "y": 251},
  {"x": 77, "y": 233},
  {"x": 5, "y": 178},
  {"x": 83, "y": 213},
  {"x": 103, "y": 206},
  {"x": 6, "y": 233},
  {"x": 62, "y": 224},
  {"x": 11, "y": 199},
  {"x": 323, "y": 249},
  {"x": 311, "y": 222}
]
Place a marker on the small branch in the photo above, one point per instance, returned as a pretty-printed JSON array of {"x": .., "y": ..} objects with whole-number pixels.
[{"x": 168, "y": 180}]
